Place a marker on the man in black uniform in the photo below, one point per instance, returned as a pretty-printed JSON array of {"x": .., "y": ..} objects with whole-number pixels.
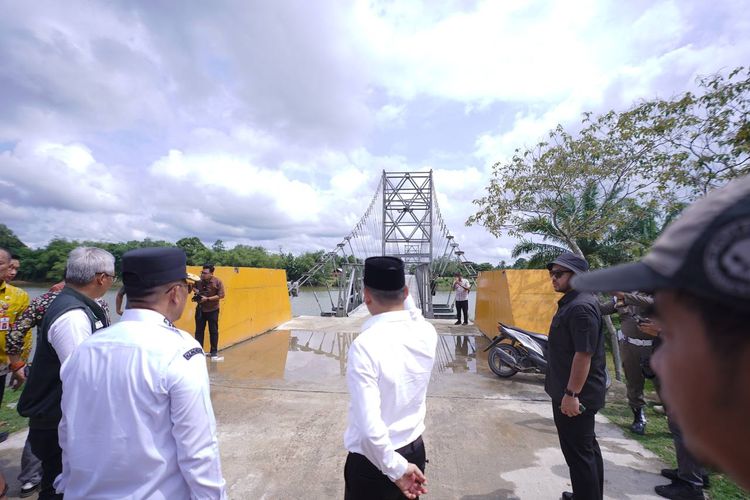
[
  {"x": 576, "y": 379},
  {"x": 699, "y": 271}
]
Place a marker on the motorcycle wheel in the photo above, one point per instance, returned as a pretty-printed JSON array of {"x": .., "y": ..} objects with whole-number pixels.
[{"x": 497, "y": 365}]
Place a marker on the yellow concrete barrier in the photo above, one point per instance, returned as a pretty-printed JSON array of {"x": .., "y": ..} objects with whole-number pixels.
[
  {"x": 522, "y": 298},
  {"x": 256, "y": 301}
]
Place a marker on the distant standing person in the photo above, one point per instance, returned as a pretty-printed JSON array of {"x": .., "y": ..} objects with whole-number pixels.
[
  {"x": 210, "y": 291},
  {"x": 576, "y": 379},
  {"x": 137, "y": 415},
  {"x": 462, "y": 286},
  {"x": 388, "y": 369}
]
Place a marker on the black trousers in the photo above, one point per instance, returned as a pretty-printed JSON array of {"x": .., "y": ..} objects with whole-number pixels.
[
  {"x": 582, "y": 453},
  {"x": 462, "y": 305},
  {"x": 212, "y": 318},
  {"x": 364, "y": 481},
  {"x": 46, "y": 447},
  {"x": 689, "y": 469}
]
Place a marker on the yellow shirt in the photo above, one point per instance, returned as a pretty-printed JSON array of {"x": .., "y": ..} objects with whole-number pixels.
[{"x": 13, "y": 301}]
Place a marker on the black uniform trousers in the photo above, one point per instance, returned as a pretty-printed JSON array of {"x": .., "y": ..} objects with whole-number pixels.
[
  {"x": 212, "y": 318},
  {"x": 582, "y": 453},
  {"x": 462, "y": 306},
  {"x": 46, "y": 446},
  {"x": 364, "y": 481}
]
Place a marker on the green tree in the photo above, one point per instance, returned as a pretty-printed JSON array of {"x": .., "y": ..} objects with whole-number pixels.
[
  {"x": 705, "y": 136},
  {"x": 10, "y": 241},
  {"x": 621, "y": 243},
  {"x": 661, "y": 152},
  {"x": 195, "y": 250}
]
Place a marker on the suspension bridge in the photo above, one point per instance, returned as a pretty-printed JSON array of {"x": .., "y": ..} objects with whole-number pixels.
[{"x": 403, "y": 220}]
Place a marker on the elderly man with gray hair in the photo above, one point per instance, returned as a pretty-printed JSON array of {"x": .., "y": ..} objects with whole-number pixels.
[{"x": 70, "y": 319}]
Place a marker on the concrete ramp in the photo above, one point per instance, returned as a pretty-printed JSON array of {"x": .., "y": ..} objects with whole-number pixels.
[{"x": 281, "y": 424}]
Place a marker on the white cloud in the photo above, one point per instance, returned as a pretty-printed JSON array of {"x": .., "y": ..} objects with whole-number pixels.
[{"x": 270, "y": 123}]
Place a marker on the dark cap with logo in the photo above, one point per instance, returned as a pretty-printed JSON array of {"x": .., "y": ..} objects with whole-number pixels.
[
  {"x": 706, "y": 252},
  {"x": 384, "y": 273},
  {"x": 146, "y": 268},
  {"x": 571, "y": 261}
]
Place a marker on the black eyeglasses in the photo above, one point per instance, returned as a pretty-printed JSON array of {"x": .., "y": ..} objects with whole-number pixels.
[
  {"x": 114, "y": 278},
  {"x": 189, "y": 287},
  {"x": 558, "y": 274}
]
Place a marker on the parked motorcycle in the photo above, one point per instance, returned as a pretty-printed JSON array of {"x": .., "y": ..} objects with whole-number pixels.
[{"x": 516, "y": 350}]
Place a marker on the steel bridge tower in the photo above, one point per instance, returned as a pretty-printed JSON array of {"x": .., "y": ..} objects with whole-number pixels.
[{"x": 408, "y": 221}]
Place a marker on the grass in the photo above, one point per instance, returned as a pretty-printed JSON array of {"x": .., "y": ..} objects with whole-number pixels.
[
  {"x": 658, "y": 439},
  {"x": 8, "y": 415}
]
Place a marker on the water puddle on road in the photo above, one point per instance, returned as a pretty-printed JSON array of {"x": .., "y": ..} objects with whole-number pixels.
[{"x": 300, "y": 355}]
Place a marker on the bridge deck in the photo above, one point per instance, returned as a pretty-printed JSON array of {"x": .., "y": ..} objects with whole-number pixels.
[{"x": 354, "y": 323}]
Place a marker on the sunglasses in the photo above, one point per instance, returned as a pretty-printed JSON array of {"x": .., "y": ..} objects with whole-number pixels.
[{"x": 556, "y": 275}]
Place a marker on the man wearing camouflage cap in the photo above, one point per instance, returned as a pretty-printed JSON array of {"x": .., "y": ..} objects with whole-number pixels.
[{"x": 699, "y": 269}]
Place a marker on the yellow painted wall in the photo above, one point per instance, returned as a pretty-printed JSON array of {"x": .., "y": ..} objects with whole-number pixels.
[
  {"x": 256, "y": 301},
  {"x": 522, "y": 298}
]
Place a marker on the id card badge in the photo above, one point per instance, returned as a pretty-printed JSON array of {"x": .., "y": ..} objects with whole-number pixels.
[
  {"x": 98, "y": 325},
  {"x": 4, "y": 323}
]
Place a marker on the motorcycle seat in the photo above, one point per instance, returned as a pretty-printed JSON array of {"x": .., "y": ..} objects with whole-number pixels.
[{"x": 538, "y": 336}]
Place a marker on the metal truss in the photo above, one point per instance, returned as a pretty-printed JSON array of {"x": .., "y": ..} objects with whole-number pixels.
[{"x": 407, "y": 216}]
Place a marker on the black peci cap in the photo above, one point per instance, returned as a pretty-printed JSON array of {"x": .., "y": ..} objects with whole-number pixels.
[
  {"x": 146, "y": 268},
  {"x": 384, "y": 273}
]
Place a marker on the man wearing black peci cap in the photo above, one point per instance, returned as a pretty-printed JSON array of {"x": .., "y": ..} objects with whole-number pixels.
[
  {"x": 137, "y": 415},
  {"x": 388, "y": 370},
  {"x": 699, "y": 269},
  {"x": 576, "y": 379}
]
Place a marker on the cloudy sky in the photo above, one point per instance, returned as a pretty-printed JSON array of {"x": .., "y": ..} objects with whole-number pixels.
[{"x": 270, "y": 122}]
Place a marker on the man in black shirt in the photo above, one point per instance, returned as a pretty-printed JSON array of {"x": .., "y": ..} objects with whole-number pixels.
[
  {"x": 576, "y": 379},
  {"x": 699, "y": 271}
]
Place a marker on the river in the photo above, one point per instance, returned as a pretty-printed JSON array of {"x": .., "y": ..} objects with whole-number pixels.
[{"x": 305, "y": 304}]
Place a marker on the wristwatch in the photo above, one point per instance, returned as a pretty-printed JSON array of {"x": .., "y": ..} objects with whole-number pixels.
[{"x": 570, "y": 393}]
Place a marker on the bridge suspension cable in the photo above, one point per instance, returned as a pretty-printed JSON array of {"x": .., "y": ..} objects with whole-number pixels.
[{"x": 403, "y": 219}]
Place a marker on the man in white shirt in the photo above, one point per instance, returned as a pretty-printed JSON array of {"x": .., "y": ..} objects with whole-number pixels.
[
  {"x": 388, "y": 370},
  {"x": 137, "y": 415},
  {"x": 461, "y": 286},
  {"x": 72, "y": 317}
]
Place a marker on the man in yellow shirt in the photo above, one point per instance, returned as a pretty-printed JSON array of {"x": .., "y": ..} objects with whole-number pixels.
[{"x": 13, "y": 301}]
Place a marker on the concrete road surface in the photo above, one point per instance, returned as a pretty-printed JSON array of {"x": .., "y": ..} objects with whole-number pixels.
[{"x": 281, "y": 402}]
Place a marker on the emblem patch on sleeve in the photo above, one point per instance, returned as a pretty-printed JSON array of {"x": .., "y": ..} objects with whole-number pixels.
[{"x": 192, "y": 352}]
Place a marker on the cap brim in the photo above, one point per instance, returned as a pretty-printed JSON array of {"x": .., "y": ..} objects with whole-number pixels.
[
  {"x": 192, "y": 277},
  {"x": 625, "y": 277}
]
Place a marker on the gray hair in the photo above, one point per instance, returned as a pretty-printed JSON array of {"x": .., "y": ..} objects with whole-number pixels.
[{"x": 85, "y": 262}]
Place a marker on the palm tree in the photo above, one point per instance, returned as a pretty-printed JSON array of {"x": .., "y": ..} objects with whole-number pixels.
[{"x": 625, "y": 242}]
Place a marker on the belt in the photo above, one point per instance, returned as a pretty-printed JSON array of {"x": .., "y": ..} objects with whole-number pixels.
[
  {"x": 411, "y": 447},
  {"x": 640, "y": 342}
]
